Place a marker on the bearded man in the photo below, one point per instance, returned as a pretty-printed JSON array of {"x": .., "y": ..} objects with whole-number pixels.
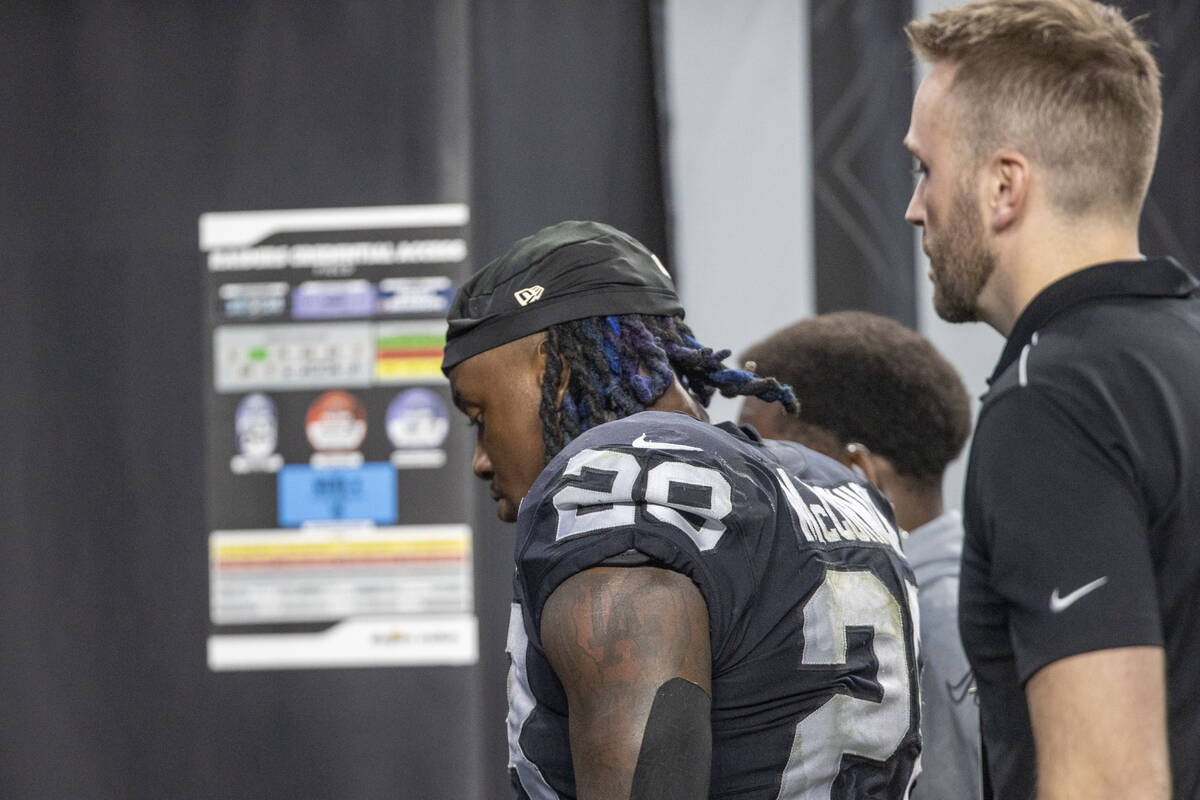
[{"x": 1036, "y": 132}]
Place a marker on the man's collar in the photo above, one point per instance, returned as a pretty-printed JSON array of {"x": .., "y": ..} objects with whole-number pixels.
[
  {"x": 748, "y": 432},
  {"x": 1155, "y": 277}
]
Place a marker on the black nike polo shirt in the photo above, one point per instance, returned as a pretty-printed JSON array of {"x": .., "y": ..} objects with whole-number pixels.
[{"x": 1082, "y": 508}]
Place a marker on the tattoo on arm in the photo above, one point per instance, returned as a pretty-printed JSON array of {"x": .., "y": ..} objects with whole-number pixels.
[{"x": 614, "y": 636}]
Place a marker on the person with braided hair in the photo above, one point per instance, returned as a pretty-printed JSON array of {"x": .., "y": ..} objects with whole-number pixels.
[{"x": 698, "y": 612}]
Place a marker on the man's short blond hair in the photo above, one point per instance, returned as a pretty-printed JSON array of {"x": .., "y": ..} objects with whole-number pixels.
[{"x": 1068, "y": 83}]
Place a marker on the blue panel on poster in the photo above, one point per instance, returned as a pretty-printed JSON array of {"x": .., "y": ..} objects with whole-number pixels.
[{"x": 309, "y": 494}]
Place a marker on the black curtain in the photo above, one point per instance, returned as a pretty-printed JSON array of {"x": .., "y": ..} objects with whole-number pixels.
[
  {"x": 123, "y": 123},
  {"x": 565, "y": 120},
  {"x": 862, "y": 89},
  {"x": 1171, "y": 218}
]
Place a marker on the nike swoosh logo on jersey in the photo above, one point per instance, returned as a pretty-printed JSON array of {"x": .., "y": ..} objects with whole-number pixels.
[
  {"x": 645, "y": 444},
  {"x": 1060, "y": 604},
  {"x": 965, "y": 686}
]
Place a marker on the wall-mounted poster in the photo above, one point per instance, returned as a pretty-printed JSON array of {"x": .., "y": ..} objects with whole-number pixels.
[{"x": 339, "y": 534}]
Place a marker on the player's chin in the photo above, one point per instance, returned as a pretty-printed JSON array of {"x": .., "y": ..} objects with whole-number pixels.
[{"x": 506, "y": 510}]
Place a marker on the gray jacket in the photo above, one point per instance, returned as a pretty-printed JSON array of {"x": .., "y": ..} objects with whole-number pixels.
[{"x": 949, "y": 712}]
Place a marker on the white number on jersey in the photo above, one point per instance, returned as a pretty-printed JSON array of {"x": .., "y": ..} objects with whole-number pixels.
[
  {"x": 847, "y": 725},
  {"x": 671, "y": 487}
]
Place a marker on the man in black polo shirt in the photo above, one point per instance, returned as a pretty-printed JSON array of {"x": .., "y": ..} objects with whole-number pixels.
[{"x": 1036, "y": 132}]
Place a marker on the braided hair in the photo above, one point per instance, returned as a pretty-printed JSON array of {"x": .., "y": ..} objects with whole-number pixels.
[{"x": 620, "y": 365}]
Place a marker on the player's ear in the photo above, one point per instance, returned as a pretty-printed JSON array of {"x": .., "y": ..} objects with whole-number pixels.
[
  {"x": 541, "y": 354},
  {"x": 861, "y": 461}
]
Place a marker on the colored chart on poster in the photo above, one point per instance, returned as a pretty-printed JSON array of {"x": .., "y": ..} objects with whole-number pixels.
[
  {"x": 328, "y": 573},
  {"x": 329, "y": 355},
  {"x": 409, "y": 352}
]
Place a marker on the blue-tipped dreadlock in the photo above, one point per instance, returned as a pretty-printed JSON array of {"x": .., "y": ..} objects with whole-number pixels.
[{"x": 608, "y": 356}]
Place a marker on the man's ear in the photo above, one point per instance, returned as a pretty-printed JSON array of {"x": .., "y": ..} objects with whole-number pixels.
[
  {"x": 541, "y": 354},
  {"x": 1009, "y": 181},
  {"x": 861, "y": 461}
]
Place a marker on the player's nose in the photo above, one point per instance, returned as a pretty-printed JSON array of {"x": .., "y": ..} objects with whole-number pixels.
[{"x": 481, "y": 464}]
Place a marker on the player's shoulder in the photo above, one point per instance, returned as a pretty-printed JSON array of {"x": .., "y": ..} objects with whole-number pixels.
[
  {"x": 649, "y": 430},
  {"x": 810, "y": 466},
  {"x": 723, "y": 446},
  {"x": 675, "y": 435}
]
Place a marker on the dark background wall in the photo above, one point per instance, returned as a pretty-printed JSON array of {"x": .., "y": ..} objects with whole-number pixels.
[
  {"x": 565, "y": 120},
  {"x": 861, "y": 97},
  {"x": 1171, "y": 219}
]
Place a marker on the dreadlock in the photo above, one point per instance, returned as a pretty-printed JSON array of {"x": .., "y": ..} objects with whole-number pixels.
[{"x": 619, "y": 365}]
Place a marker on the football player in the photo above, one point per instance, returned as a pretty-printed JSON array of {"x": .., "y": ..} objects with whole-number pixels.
[{"x": 698, "y": 612}]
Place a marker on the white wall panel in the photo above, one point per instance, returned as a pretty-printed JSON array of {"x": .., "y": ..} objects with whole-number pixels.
[{"x": 738, "y": 135}]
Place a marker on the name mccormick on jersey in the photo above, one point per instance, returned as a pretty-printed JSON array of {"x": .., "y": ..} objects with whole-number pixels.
[{"x": 811, "y": 605}]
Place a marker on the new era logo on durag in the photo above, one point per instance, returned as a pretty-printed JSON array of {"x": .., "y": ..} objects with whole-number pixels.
[{"x": 527, "y": 296}]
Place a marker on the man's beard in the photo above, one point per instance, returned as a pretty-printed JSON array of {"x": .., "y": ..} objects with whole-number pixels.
[{"x": 961, "y": 262}]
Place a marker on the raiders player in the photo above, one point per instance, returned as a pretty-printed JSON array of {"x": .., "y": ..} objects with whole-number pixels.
[{"x": 698, "y": 612}]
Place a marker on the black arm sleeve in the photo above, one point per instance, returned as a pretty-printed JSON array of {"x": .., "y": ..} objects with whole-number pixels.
[{"x": 676, "y": 754}]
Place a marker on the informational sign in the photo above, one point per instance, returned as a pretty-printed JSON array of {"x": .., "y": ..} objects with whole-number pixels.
[
  {"x": 339, "y": 535},
  {"x": 381, "y": 595}
]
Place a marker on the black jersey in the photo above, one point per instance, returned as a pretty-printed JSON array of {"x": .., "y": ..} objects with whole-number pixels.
[
  {"x": 1083, "y": 503},
  {"x": 814, "y": 684}
]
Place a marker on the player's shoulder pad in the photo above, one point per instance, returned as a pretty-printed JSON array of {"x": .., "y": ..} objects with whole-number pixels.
[
  {"x": 667, "y": 432},
  {"x": 811, "y": 466}
]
